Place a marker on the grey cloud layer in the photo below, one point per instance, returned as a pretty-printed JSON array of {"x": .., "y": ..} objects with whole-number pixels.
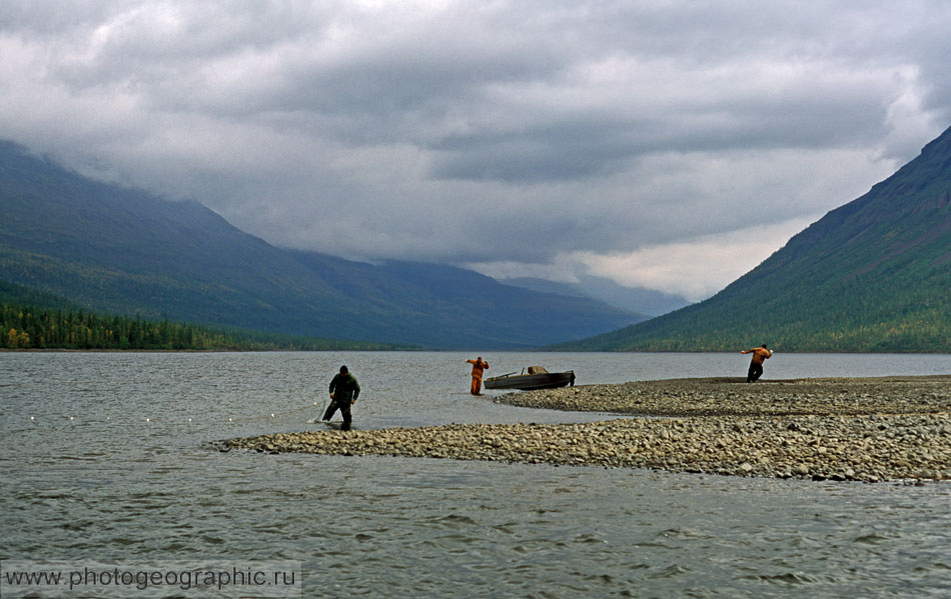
[{"x": 481, "y": 132}]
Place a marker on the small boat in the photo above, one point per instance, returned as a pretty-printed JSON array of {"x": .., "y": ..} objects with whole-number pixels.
[{"x": 536, "y": 378}]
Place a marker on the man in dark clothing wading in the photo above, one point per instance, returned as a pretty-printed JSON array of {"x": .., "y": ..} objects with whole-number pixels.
[{"x": 344, "y": 390}]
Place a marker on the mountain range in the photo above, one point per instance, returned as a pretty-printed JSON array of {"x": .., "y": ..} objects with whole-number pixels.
[
  {"x": 117, "y": 250},
  {"x": 647, "y": 302},
  {"x": 872, "y": 275}
]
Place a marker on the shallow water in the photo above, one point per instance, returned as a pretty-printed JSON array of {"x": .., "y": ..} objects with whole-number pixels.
[{"x": 130, "y": 477}]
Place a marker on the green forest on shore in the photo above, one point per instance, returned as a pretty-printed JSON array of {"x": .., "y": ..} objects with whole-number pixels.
[{"x": 29, "y": 328}]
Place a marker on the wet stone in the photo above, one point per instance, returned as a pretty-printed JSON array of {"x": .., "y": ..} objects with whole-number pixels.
[{"x": 808, "y": 429}]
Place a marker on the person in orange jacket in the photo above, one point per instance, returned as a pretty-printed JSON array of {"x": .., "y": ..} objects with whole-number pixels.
[
  {"x": 760, "y": 354},
  {"x": 478, "y": 367}
]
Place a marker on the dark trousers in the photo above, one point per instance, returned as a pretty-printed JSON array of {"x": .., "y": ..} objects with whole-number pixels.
[
  {"x": 756, "y": 371},
  {"x": 344, "y": 411}
]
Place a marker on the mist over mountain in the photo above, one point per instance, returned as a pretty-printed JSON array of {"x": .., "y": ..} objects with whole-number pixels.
[
  {"x": 124, "y": 251},
  {"x": 872, "y": 275},
  {"x": 645, "y": 302}
]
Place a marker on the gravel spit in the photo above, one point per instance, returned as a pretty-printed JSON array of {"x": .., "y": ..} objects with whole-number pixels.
[{"x": 868, "y": 429}]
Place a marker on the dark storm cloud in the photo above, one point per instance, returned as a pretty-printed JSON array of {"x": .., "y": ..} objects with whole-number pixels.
[{"x": 435, "y": 130}]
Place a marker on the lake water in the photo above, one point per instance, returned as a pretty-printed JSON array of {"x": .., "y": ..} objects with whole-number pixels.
[{"x": 106, "y": 456}]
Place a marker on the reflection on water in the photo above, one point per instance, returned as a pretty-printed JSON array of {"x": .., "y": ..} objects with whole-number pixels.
[{"x": 130, "y": 476}]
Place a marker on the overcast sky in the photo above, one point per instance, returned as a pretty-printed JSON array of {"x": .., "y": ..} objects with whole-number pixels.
[{"x": 669, "y": 144}]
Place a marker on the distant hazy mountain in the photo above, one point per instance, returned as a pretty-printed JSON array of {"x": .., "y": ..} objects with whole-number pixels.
[
  {"x": 120, "y": 250},
  {"x": 643, "y": 302},
  {"x": 872, "y": 275}
]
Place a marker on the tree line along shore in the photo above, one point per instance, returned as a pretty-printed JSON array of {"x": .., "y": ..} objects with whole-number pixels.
[
  {"x": 26, "y": 327},
  {"x": 868, "y": 429}
]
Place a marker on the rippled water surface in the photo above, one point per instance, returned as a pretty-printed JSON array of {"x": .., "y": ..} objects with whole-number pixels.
[{"x": 115, "y": 464}]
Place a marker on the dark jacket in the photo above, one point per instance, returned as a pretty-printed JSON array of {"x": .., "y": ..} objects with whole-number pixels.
[{"x": 345, "y": 388}]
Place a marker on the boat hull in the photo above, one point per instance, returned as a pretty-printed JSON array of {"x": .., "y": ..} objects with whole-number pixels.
[{"x": 527, "y": 382}]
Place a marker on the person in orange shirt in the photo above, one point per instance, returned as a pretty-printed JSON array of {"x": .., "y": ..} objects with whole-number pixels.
[
  {"x": 478, "y": 367},
  {"x": 756, "y": 364}
]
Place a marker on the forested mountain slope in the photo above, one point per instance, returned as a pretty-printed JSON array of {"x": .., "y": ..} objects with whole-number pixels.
[
  {"x": 122, "y": 251},
  {"x": 872, "y": 275}
]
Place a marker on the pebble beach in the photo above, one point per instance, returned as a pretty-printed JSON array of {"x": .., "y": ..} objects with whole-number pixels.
[{"x": 844, "y": 429}]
